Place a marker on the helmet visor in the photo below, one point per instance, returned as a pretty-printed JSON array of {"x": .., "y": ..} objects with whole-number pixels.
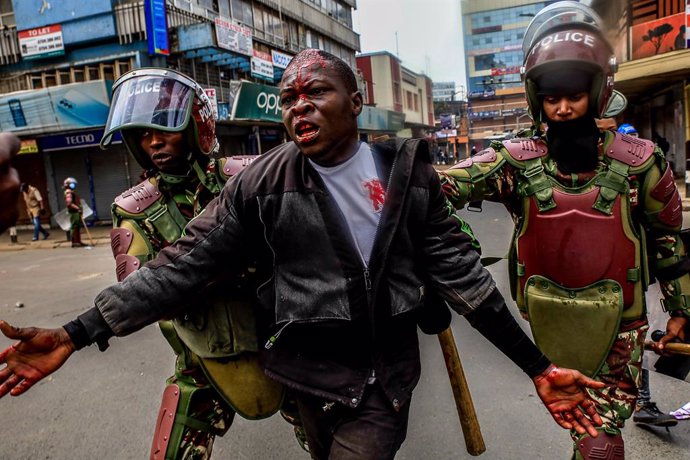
[{"x": 150, "y": 101}]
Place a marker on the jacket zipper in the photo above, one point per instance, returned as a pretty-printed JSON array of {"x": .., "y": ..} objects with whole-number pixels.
[
  {"x": 367, "y": 284},
  {"x": 274, "y": 338}
]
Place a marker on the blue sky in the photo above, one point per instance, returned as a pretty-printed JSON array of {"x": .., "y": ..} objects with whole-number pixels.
[{"x": 429, "y": 36}]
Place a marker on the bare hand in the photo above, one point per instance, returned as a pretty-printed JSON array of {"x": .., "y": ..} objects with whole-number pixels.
[
  {"x": 39, "y": 353},
  {"x": 675, "y": 329},
  {"x": 562, "y": 392},
  {"x": 9, "y": 181}
]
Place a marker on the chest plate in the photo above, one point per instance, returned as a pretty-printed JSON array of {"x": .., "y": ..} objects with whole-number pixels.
[{"x": 576, "y": 245}]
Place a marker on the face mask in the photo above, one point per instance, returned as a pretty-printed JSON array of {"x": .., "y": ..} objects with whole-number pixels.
[{"x": 574, "y": 144}]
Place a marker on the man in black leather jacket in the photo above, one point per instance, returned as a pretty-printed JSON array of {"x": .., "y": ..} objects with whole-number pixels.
[{"x": 350, "y": 240}]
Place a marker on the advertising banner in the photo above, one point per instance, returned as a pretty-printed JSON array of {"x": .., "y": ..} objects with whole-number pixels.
[
  {"x": 58, "y": 108},
  {"x": 658, "y": 36},
  {"x": 234, "y": 37},
  {"x": 262, "y": 65},
  {"x": 156, "y": 27},
  {"x": 31, "y": 14},
  {"x": 41, "y": 42}
]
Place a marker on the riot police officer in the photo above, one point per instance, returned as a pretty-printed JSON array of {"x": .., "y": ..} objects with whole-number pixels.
[{"x": 587, "y": 205}]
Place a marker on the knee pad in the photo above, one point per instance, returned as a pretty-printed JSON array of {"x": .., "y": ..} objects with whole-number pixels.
[
  {"x": 603, "y": 447},
  {"x": 178, "y": 413}
]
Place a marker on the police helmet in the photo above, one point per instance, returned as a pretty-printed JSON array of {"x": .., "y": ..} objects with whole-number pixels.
[
  {"x": 164, "y": 100},
  {"x": 566, "y": 53},
  {"x": 70, "y": 182},
  {"x": 627, "y": 128}
]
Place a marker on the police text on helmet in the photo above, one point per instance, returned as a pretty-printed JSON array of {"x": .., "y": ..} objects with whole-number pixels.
[
  {"x": 145, "y": 87},
  {"x": 579, "y": 37}
]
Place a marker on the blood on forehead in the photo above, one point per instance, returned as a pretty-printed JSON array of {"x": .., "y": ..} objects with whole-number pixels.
[{"x": 305, "y": 66}]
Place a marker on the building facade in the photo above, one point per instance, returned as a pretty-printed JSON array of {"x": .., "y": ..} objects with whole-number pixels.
[
  {"x": 654, "y": 71},
  {"x": 58, "y": 61},
  {"x": 651, "y": 49},
  {"x": 404, "y": 94},
  {"x": 493, "y": 31}
]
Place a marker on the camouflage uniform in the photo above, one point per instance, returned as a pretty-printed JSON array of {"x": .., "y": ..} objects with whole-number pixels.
[{"x": 499, "y": 174}]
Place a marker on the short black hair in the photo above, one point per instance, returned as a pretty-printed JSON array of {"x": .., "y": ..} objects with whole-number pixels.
[{"x": 340, "y": 67}]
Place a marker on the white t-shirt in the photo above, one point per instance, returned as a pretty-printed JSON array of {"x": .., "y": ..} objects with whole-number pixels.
[{"x": 357, "y": 189}]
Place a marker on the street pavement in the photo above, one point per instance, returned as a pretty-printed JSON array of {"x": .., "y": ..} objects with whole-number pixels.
[{"x": 103, "y": 405}]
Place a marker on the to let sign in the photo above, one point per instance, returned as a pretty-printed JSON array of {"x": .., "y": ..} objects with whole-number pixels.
[{"x": 41, "y": 42}]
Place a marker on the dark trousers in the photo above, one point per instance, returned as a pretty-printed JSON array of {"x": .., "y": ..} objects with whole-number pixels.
[{"x": 371, "y": 431}]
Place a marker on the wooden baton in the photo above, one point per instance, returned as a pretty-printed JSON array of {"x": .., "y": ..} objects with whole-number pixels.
[
  {"x": 87, "y": 231},
  {"x": 474, "y": 442},
  {"x": 671, "y": 347}
]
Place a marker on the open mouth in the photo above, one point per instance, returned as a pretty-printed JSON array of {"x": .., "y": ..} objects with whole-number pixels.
[{"x": 305, "y": 131}]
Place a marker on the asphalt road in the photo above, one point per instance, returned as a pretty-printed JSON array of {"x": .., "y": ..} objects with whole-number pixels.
[{"x": 104, "y": 405}]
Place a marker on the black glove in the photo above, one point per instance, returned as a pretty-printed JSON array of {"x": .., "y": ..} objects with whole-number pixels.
[{"x": 42, "y": 212}]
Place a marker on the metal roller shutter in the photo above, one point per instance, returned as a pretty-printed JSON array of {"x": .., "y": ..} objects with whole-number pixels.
[{"x": 109, "y": 172}]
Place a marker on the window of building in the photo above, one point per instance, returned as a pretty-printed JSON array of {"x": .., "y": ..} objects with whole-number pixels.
[
  {"x": 242, "y": 11},
  {"x": 344, "y": 14},
  {"x": 259, "y": 26},
  {"x": 293, "y": 40},
  {"x": 416, "y": 103},
  {"x": 7, "y": 14},
  {"x": 77, "y": 75},
  {"x": 396, "y": 92},
  {"x": 408, "y": 96}
]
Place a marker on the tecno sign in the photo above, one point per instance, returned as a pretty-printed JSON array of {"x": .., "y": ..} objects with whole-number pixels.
[
  {"x": 268, "y": 103},
  {"x": 80, "y": 139}
]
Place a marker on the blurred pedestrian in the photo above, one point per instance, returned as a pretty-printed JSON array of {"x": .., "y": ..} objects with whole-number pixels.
[
  {"x": 74, "y": 209},
  {"x": 9, "y": 181},
  {"x": 34, "y": 208}
]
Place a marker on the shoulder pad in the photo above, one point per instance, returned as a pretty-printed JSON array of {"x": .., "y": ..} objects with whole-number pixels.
[
  {"x": 139, "y": 197},
  {"x": 522, "y": 149},
  {"x": 484, "y": 156},
  {"x": 630, "y": 150},
  {"x": 234, "y": 164}
]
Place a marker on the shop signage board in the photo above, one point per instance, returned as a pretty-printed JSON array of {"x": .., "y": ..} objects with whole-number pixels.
[
  {"x": 280, "y": 60},
  {"x": 41, "y": 42},
  {"x": 234, "y": 37},
  {"x": 257, "y": 102},
  {"x": 74, "y": 140},
  {"x": 261, "y": 65},
  {"x": 211, "y": 93},
  {"x": 28, "y": 146}
]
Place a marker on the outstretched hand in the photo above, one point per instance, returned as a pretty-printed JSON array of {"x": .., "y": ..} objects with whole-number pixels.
[
  {"x": 562, "y": 392},
  {"x": 39, "y": 353}
]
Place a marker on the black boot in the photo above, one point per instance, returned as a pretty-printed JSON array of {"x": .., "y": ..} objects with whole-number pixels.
[{"x": 649, "y": 414}]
